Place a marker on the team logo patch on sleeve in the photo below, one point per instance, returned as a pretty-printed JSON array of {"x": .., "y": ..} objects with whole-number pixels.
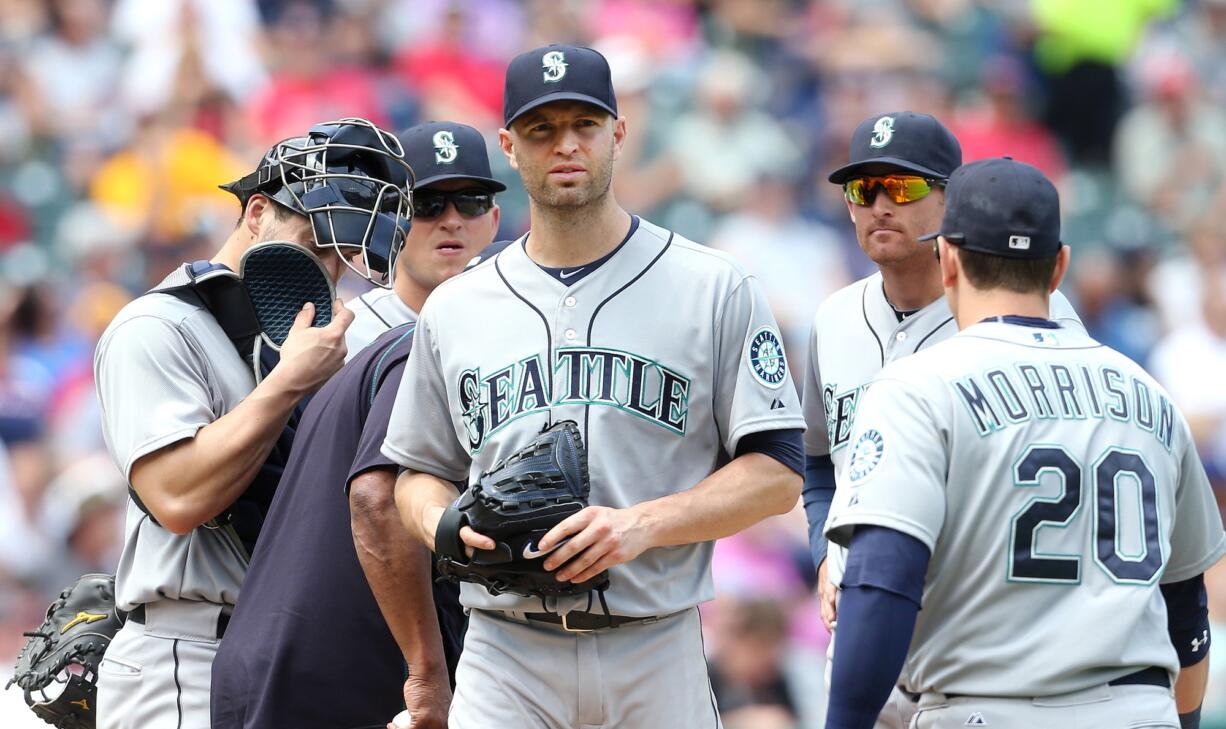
[
  {"x": 866, "y": 454},
  {"x": 766, "y": 359}
]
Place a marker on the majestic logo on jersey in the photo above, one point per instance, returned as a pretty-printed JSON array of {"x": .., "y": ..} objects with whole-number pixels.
[
  {"x": 865, "y": 455},
  {"x": 766, "y": 359},
  {"x": 446, "y": 151},
  {"x": 840, "y": 414},
  {"x": 554, "y": 63},
  {"x": 976, "y": 719},
  {"x": 582, "y": 375},
  {"x": 883, "y": 132}
]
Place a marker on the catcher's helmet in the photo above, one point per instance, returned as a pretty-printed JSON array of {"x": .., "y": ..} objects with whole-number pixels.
[{"x": 350, "y": 178}]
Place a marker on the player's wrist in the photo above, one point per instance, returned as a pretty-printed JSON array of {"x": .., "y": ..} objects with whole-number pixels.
[{"x": 431, "y": 514}]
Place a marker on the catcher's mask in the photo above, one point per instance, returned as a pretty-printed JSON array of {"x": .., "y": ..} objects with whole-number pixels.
[
  {"x": 350, "y": 178},
  {"x": 257, "y": 305}
]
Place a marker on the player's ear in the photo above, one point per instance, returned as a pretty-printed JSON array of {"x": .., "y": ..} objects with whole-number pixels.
[
  {"x": 1062, "y": 263},
  {"x": 949, "y": 263},
  {"x": 619, "y": 136},
  {"x": 508, "y": 147},
  {"x": 253, "y": 214}
]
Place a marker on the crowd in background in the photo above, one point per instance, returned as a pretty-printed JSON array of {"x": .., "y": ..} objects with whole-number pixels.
[{"x": 118, "y": 118}]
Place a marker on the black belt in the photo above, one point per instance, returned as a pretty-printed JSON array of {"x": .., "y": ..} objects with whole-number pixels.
[
  {"x": 1152, "y": 676},
  {"x": 223, "y": 619},
  {"x": 576, "y": 621}
]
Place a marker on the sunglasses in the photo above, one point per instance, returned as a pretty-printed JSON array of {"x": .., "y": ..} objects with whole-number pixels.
[
  {"x": 429, "y": 204},
  {"x": 899, "y": 188}
]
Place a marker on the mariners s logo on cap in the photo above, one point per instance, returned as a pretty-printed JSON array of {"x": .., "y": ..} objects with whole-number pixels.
[
  {"x": 766, "y": 359},
  {"x": 883, "y": 132},
  {"x": 446, "y": 151},
  {"x": 554, "y": 63}
]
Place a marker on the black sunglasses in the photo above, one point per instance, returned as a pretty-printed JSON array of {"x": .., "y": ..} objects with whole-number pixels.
[{"x": 470, "y": 203}]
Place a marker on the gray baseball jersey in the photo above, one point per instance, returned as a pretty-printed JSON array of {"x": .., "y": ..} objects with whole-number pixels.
[
  {"x": 1056, "y": 486},
  {"x": 374, "y": 312},
  {"x": 164, "y": 369},
  {"x": 855, "y": 333},
  {"x": 666, "y": 355}
]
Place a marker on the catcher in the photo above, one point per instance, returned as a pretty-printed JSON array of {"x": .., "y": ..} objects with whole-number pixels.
[{"x": 58, "y": 668}]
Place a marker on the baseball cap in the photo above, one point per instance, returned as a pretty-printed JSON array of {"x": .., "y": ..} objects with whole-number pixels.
[
  {"x": 1001, "y": 207},
  {"x": 443, "y": 150},
  {"x": 557, "y": 73},
  {"x": 901, "y": 141}
]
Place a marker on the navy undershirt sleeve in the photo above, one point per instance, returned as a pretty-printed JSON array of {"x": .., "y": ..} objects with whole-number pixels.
[
  {"x": 882, "y": 589},
  {"x": 785, "y": 445},
  {"x": 1187, "y": 619},
  {"x": 817, "y": 495}
]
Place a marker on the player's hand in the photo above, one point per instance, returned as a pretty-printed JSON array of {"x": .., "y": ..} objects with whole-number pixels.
[
  {"x": 427, "y": 698},
  {"x": 310, "y": 355},
  {"x": 826, "y": 594},
  {"x": 471, "y": 538},
  {"x": 599, "y": 538}
]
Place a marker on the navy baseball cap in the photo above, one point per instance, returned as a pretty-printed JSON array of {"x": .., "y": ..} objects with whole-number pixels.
[
  {"x": 446, "y": 150},
  {"x": 1001, "y": 207},
  {"x": 901, "y": 141},
  {"x": 557, "y": 73}
]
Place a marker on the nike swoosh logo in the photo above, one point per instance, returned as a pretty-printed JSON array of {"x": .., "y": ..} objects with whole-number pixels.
[
  {"x": 530, "y": 551},
  {"x": 564, "y": 274}
]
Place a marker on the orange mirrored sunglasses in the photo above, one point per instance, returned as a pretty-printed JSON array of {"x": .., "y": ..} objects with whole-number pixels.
[{"x": 899, "y": 188}]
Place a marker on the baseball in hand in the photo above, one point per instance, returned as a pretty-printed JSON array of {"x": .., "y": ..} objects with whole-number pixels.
[{"x": 403, "y": 720}]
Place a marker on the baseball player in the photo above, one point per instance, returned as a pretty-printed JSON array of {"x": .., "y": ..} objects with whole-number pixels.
[
  {"x": 668, "y": 358},
  {"x": 201, "y": 443},
  {"x": 308, "y": 624},
  {"x": 453, "y": 174},
  {"x": 1036, "y": 491},
  {"x": 894, "y": 190}
]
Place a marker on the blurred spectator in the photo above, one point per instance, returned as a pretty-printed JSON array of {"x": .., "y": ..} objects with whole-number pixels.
[
  {"x": 1170, "y": 154},
  {"x": 1175, "y": 284},
  {"x": 1001, "y": 125},
  {"x": 221, "y": 35},
  {"x": 307, "y": 85},
  {"x": 1080, "y": 46},
  {"x": 70, "y": 76},
  {"x": 798, "y": 261},
  {"x": 1107, "y": 288},
  {"x": 727, "y": 142},
  {"x": 455, "y": 80},
  {"x": 1189, "y": 362},
  {"x": 163, "y": 182},
  {"x": 497, "y": 27},
  {"x": 746, "y": 670}
]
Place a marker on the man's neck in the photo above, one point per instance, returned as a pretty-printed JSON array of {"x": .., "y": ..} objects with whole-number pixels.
[
  {"x": 409, "y": 291},
  {"x": 563, "y": 237},
  {"x": 974, "y": 306},
  {"x": 909, "y": 288},
  {"x": 231, "y": 252}
]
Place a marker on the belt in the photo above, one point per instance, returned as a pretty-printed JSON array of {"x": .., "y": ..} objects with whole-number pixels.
[
  {"x": 577, "y": 621},
  {"x": 1152, "y": 676},
  {"x": 223, "y": 619}
]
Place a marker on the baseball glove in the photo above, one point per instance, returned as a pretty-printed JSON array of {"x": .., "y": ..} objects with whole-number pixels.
[
  {"x": 66, "y": 650},
  {"x": 516, "y": 503}
]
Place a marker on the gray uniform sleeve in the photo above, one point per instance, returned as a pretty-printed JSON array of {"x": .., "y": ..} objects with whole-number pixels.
[
  {"x": 896, "y": 471},
  {"x": 1197, "y": 538},
  {"x": 421, "y": 434},
  {"x": 817, "y": 434},
  {"x": 152, "y": 388},
  {"x": 754, "y": 390}
]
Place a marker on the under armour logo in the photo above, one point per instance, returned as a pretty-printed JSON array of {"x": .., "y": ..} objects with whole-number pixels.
[
  {"x": 1198, "y": 643},
  {"x": 976, "y": 719}
]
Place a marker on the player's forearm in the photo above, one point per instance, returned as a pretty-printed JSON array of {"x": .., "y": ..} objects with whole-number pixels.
[
  {"x": 189, "y": 482},
  {"x": 421, "y": 499},
  {"x": 398, "y": 570},
  {"x": 745, "y": 491},
  {"x": 1190, "y": 686}
]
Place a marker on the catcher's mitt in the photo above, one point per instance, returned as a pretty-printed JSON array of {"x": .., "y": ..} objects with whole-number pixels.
[
  {"x": 516, "y": 503},
  {"x": 66, "y": 650}
]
